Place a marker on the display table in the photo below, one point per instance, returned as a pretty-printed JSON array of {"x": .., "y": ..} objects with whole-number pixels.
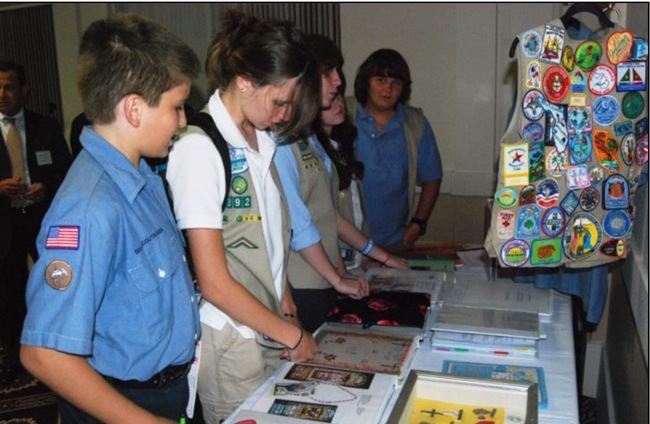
[{"x": 555, "y": 355}]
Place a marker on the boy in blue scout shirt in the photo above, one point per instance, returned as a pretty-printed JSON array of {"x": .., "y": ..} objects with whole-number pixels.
[{"x": 112, "y": 318}]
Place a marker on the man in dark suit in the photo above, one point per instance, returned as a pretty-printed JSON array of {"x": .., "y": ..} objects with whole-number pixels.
[{"x": 34, "y": 159}]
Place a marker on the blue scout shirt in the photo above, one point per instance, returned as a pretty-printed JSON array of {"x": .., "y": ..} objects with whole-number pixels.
[
  {"x": 111, "y": 282},
  {"x": 304, "y": 232},
  {"x": 385, "y": 178}
]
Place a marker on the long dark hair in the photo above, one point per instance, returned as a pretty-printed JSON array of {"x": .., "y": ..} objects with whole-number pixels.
[{"x": 383, "y": 62}]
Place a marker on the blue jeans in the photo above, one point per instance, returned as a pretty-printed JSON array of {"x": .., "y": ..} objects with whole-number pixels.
[{"x": 169, "y": 402}]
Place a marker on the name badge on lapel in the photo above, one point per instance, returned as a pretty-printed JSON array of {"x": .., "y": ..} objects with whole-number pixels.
[{"x": 44, "y": 157}]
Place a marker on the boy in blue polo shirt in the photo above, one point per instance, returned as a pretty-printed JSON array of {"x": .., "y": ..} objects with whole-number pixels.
[{"x": 112, "y": 318}]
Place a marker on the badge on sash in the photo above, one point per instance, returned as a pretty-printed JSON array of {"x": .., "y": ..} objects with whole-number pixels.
[
  {"x": 527, "y": 195},
  {"x": 606, "y": 151},
  {"x": 505, "y": 225},
  {"x": 588, "y": 55},
  {"x": 577, "y": 177},
  {"x": 589, "y": 199},
  {"x": 548, "y": 193},
  {"x": 579, "y": 119},
  {"x": 579, "y": 148},
  {"x": 619, "y": 46},
  {"x": 614, "y": 248},
  {"x": 642, "y": 151},
  {"x": 639, "y": 49},
  {"x": 531, "y": 44},
  {"x": 628, "y": 149},
  {"x": 532, "y": 132},
  {"x": 616, "y": 192},
  {"x": 531, "y": 105},
  {"x": 535, "y": 161},
  {"x": 633, "y": 105},
  {"x": 515, "y": 164},
  {"x": 568, "y": 59},
  {"x": 238, "y": 163},
  {"x": 597, "y": 175},
  {"x": 528, "y": 222},
  {"x": 631, "y": 76},
  {"x": 582, "y": 236},
  {"x": 534, "y": 75},
  {"x": 556, "y": 163},
  {"x": 553, "y": 222},
  {"x": 515, "y": 253},
  {"x": 606, "y": 110},
  {"x": 570, "y": 203},
  {"x": 578, "y": 81},
  {"x": 552, "y": 44},
  {"x": 616, "y": 224},
  {"x": 557, "y": 133},
  {"x": 641, "y": 128},
  {"x": 602, "y": 80},
  {"x": 556, "y": 84},
  {"x": 546, "y": 252},
  {"x": 506, "y": 197},
  {"x": 622, "y": 128}
]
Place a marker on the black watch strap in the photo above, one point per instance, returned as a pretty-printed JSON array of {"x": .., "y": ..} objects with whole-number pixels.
[{"x": 421, "y": 223}]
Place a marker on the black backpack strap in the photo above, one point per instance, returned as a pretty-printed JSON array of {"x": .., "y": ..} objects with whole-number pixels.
[{"x": 206, "y": 123}]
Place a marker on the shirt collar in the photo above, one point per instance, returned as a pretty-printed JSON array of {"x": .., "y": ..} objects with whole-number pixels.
[
  {"x": 399, "y": 117},
  {"x": 130, "y": 181},
  {"x": 19, "y": 117}
]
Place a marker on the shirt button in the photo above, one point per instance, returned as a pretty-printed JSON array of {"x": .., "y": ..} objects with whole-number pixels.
[{"x": 161, "y": 273}]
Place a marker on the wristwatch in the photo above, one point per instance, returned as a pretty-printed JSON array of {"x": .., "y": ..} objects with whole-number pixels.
[{"x": 420, "y": 223}]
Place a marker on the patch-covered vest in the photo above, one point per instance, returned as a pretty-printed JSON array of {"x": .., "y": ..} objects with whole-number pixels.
[
  {"x": 314, "y": 183},
  {"x": 572, "y": 155}
]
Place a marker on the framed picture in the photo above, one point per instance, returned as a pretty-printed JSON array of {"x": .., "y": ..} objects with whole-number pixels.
[{"x": 435, "y": 398}]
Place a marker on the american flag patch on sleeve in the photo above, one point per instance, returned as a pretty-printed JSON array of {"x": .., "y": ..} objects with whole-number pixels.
[{"x": 62, "y": 237}]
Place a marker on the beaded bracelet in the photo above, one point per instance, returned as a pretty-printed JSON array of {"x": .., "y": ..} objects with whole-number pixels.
[
  {"x": 366, "y": 250},
  {"x": 302, "y": 332}
]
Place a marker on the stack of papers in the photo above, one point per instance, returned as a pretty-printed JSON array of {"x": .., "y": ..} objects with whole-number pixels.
[{"x": 482, "y": 344}]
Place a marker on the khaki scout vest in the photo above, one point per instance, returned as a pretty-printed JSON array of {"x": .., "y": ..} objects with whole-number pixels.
[
  {"x": 413, "y": 128},
  {"x": 314, "y": 185},
  {"x": 345, "y": 207},
  {"x": 572, "y": 154},
  {"x": 243, "y": 236}
]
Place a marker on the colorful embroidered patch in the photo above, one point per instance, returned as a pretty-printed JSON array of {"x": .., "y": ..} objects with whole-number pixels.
[
  {"x": 622, "y": 128},
  {"x": 606, "y": 149},
  {"x": 570, "y": 203},
  {"x": 528, "y": 222},
  {"x": 582, "y": 236},
  {"x": 579, "y": 119},
  {"x": 616, "y": 224},
  {"x": 568, "y": 58},
  {"x": 616, "y": 192},
  {"x": 534, "y": 75},
  {"x": 631, "y": 76},
  {"x": 505, "y": 225},
  {"x": 242, "y": 242},
  {"x": 532, "y": 132},
  {"x": 238, "y": 163},
  {"x": 614, "y": 248},
  {"x": 578, "y": 81},
  {"x": 531, "y": 106},
  {"x": 248, "y": 218},
  {"x": 577, "y": 177},
  {"x": 597, "y": 175},
  {"x": 556, "y": 84},
  {"x": 556, "y": 163},
  {"x": 58, "y": 275},
  {"x": 641, "y": 128},
  {"x": 552, "y": 44},
  {"x": 553, "y": 222},
  {"x": 527, "y": 195},
  {"x": 639, "y": 49},
  {"x": 548, "y": 193},
  {"x": 531, "y": 44},
  {"x": 239, "y": 185},
  {"x": 63, "y": 237},
  {"x": 606, "y": 110},
  {"x": 557, "y": 132},
  {"x": 506, "y": 197},
  {"x": 632, "y": 104},
  {"x": 602, "y": 80},
  {"x": 305, "y": 151},
  {"x": 535, "y": 161},
  {"x": 579, "y": 148},
  {"x": 628, "y": 149},
  {"x": 642, "y": 151},
  {"x": 515, "y": 253},
  {"x": 619, "y": 46},
  {"x": 515, "y": 164},
  {"x": 589, "y": 199},
  {"x": 588, "y": 55},
  {"x": 546, "y": 252}
]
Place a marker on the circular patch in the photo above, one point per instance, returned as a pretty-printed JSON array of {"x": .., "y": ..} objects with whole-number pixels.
[
  {"x": 58, "y": 275},
  {"x": 619, "y": 46},
  {"x": 616, "y": 224},
  {"x": 534, "y": 75},
  {"x": 548, "y": 193},
  {"x": 642, "y": 151},
  {"x": 628, "y": 148},
  {"x": 588, "y": 55},
  {"x": 532, "y": 106},
  {"x": 606, "y": 110},
  {"x": 532, "y": 132},
  {"x": 589, "y": 199},
  {"x": 556, "y": 163},
  {"x": 602, "y": 80},
  {"x": 515, "y": 253},
  {"x": 553, "y": 222},
  {"x": 580, "y": 148},
  {"x": 597, "y": 174},
  {"x": 582, "y": 236},
  {"x": 531, "y": 44},
  {"x": 238, "y": 162},
  {"x": 506, "y": 197},
  {"x": 239, "y": 185},
  {"x": 632, "y": 104},
  {"x": 556, "y": 83},
  {"x": 568, "y": 59}
]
